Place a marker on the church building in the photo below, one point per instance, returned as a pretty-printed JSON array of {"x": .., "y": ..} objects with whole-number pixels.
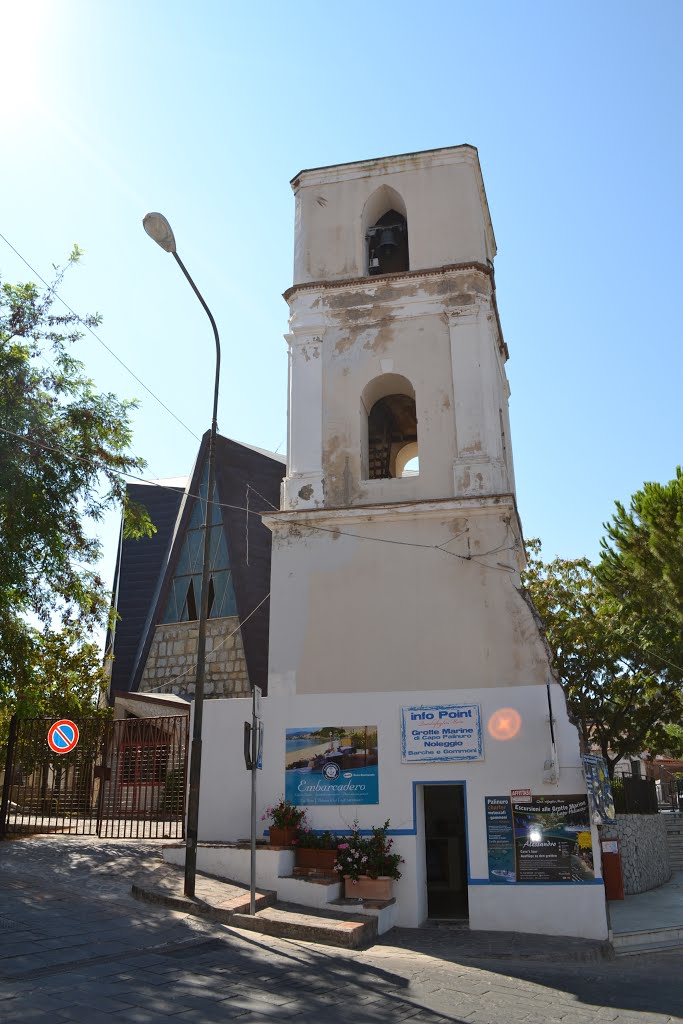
[{"x": 396, "y": 603}]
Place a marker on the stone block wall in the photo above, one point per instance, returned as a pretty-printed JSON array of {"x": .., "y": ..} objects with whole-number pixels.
[
  {"x": 172, "y": 659},
  {"x": 644, "y": 850}
]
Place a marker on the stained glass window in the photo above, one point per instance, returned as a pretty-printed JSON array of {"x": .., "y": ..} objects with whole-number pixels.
[{"x": 186, "y": 586}]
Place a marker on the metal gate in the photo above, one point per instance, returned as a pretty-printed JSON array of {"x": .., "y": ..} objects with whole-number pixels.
[{"x": 124, "y": 779}]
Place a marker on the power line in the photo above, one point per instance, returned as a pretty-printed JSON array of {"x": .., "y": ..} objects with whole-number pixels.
[
  {"x": 309, "y": 526},
  {"x": 323, "y": 529},
  {"x": 171, "y": 682},
  {"x": 97, "y": 338}
]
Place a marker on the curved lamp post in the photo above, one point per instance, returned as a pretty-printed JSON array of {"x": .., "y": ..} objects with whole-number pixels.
[{"x": 158, "y": 228}]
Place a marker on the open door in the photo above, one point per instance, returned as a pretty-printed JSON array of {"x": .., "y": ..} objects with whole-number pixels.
[{"x": 446, "y": 851}]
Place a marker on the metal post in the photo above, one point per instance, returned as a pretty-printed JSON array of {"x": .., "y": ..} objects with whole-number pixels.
[
  {"x": 9, "y": 767},
  {"x": 196, "y": 751},
  {"x": 254, "y": 768}
]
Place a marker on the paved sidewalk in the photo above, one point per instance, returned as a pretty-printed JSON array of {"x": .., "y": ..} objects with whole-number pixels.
[
  {"x": 658, "y": 908},
  {"x": 76, "y": 947}
]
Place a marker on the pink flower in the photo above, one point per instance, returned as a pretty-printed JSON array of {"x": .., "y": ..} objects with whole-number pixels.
[{"x": 343, "y": 846}]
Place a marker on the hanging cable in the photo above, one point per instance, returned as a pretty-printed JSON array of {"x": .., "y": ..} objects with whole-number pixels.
[{"x": 97, "y": 338}]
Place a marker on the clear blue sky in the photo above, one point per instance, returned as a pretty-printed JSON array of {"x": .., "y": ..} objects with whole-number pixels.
[{"x": 205, "y": 111}]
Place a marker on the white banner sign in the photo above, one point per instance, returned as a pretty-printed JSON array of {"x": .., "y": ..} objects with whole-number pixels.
[{"x": 441, "y": 732}]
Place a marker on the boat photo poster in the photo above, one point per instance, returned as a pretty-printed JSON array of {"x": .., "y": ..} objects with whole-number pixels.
[
  {"x": 547, "y": 839},
  {"x": 331, "y": 764}
]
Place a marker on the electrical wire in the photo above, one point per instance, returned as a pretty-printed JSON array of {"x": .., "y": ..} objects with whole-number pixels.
[
  {"x": 192, "y": 668},
  {"x": 308, "y": 526},
  {"x": 509, "y": 570},
  {"x": 102, "y": 343}
]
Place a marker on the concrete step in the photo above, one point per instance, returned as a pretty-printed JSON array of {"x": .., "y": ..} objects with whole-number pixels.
[
  {"x": 228, "y": 903},
  {"x": 648, "y": 939},
  {"x": 213, "y": 897},
  {"x": 233, "y": 861},
  {"x": 354, "y": 931},
  {"x": 309, "y": 890},
  {"x": 661, "y": 947}
]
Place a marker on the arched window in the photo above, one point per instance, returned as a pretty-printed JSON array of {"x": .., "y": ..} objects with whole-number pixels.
[
  {"x": 388, "y": 245},
  {"x": 391, "y": 439},
  {"x": 385, "y": 227}
]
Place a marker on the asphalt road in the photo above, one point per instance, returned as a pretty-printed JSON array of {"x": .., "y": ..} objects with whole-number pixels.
[{"x": 75, "y": 946}]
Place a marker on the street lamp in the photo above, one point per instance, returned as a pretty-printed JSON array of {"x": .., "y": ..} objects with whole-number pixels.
[{"x": 158, "y": 228}]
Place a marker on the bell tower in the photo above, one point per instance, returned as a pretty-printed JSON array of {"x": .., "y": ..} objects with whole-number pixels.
[{"x": 397, "y": 549}]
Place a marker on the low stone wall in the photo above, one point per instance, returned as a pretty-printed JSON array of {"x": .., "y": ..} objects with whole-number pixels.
[
  {"x": 172, "y": 659},
  {"x": 644, "y": 850}
]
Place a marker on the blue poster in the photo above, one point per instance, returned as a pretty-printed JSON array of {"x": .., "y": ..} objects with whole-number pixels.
[
  {"x": 500, "y": 839},
  {"x": 331, "y": 765},
  {"x": 599, "y": 789}
]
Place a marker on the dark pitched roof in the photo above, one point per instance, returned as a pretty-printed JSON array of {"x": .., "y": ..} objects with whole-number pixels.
[
  {"x": 244, "y": 476},
  {"x": 137, "y": 573}
]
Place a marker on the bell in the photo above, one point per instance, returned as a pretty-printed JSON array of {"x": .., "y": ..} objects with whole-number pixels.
[{"x": 387, "y": 241}]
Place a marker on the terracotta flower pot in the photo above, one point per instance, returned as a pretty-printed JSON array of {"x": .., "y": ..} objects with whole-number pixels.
[
  {"x": 367, "y": 888},
  {"x": 282, "y": 836},
  {"x": 319, "y": 860}
]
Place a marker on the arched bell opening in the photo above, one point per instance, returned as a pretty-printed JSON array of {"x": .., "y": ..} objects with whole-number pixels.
[
  {"x": 388, "y": 244},
  {"x": 392, "y": 436}
]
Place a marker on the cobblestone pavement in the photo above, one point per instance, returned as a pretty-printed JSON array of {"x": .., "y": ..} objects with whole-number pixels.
[{"x": 75, "y": 946}]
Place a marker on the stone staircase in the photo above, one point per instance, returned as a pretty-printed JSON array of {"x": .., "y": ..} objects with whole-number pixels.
[
  {"x": 296, "y": 903},
  {"x": 674, "y": 839}
]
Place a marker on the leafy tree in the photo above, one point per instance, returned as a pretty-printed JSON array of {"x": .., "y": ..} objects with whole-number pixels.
[
  {"x": 641, "y": 566},
  {"x": 616, "y": 697},
  {"x": 63, "y": 450}
]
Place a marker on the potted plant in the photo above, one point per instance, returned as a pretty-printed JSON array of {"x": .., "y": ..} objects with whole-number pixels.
[
  {"x": 367, "y": 864},
  {"x": 317, "y": 852},
  {"x": 285, "y": 819}
]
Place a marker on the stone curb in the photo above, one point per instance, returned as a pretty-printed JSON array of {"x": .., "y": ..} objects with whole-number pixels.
[{"x": 459, "y": 943}]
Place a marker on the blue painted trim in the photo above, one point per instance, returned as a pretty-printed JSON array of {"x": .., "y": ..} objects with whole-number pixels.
[
  {"x": 517, "y": 885},
  {"x": 413, "y": 832}
]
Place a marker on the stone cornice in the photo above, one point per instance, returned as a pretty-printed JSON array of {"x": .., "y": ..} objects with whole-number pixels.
[
  {"x": 464, "y": 153},
  {"x": 403, "y": 275},
  {"x": 406, "y": 275},
  {"x": 429, "y": 509}
]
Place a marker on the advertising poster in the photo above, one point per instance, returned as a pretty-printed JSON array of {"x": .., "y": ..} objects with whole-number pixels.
[
  {"x": 331, "y": 764},
  {"x": 500, "y": 838},
  {"x": 550, "y": 837},
  {"x": 599, "y": 789},
  {"x": 553, "y": 839},
  {"x": 441, "y": 732}
]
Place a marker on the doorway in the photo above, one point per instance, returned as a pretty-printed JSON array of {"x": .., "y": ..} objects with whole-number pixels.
[{"x": 446, "y": 851}]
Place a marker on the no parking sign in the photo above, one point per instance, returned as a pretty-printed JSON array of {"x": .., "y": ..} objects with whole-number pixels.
[{"x": 62, "y": 737}]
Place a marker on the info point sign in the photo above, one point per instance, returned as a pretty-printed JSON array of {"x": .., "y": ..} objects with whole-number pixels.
[
  {"x": 441, "y": 732},
  {"x": 62, "y": 736}
]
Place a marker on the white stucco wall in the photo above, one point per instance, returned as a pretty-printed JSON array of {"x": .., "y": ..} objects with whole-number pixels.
[
  {"x": 448, "y": 222},
  {"x": 565, "y": 909},
  {"x": 435, "y": 325},
  {"x": 366, "y": 600}
]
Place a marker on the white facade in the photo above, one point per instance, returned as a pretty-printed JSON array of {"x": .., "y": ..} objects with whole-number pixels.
[
  {"x": 388, "y": 590},
  {"x": 552, "y": 909}
]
